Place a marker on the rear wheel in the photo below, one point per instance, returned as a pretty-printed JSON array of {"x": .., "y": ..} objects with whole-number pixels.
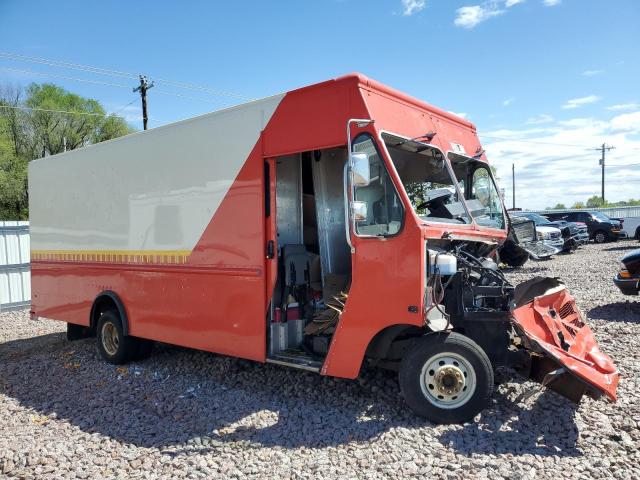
[
  {"x": 114, "y": 347},
  {"x": 446, "y": 378},
  {"x": 600, "y": 236}
]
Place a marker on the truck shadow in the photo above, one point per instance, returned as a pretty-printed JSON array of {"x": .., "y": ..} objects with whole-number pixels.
[
  {"x": 187, "y": 401},
  {"x": 628, "y": 311},
  {"x": 624, "y": 248},
  {"x": 546, "y": 428}
]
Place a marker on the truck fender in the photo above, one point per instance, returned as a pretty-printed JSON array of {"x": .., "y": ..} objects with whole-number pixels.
[
  {"x": 380, "y": 344},
  {"x": 109, "y": 297}
]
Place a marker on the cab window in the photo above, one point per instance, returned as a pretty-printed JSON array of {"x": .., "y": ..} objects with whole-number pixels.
[
  {"x": 384, "y": 208},
  {"x": 484, "y": 190}
]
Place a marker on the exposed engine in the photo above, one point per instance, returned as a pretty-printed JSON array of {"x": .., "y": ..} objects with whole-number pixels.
[{"x": 475, "y": 299}]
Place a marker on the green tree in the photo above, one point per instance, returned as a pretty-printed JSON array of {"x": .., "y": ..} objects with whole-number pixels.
[
  {"x": 35, "y": 127},
  {"x": 596, "y": 202},
  {"x": 578, "y": 205}
]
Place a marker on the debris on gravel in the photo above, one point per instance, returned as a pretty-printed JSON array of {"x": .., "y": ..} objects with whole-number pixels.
[{"x": 189, "y": 414}]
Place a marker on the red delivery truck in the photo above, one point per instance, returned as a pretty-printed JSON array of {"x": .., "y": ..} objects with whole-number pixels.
[{"x": 333, "y": 225}]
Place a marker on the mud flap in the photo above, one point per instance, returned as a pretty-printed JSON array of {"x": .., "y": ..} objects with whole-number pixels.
[{"x": 565, "y": 356}]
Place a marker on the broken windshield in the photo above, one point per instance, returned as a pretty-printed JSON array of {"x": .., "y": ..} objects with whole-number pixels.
[
  {"x": 427, "y": 180},
  {"x": 480, "y": 191}
]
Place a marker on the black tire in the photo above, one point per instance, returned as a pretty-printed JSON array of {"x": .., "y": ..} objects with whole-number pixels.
[
  {"x": 637, "y": 235},
  {"x": 433, "y": 348},
  {"x": 145, "y": 347},
  {"x": 114, "y": 347},
  {"x": 600, "y": 236}
]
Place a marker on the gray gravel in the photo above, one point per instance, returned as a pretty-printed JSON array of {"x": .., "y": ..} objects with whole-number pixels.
[{"x": 182, "y": 413}]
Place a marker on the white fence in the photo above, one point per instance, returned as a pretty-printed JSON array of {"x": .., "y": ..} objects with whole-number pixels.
[{"x": 15, "y": 277}]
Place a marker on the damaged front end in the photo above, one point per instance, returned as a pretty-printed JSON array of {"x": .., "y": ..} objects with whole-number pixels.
[
  {"x": 535, "y": 327},
  {"x": 563, "y": 353}
]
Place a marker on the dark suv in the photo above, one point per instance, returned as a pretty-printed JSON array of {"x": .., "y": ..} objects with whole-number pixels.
[{"x": 601, "y": 228}]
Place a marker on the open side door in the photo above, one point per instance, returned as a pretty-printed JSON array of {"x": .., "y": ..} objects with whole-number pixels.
[{"x": 565, "y": 355}]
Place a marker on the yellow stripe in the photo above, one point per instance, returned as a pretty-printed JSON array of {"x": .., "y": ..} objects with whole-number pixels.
[
  {"x": 114, "y": 256},
  {"x": 112, "y": 252}
]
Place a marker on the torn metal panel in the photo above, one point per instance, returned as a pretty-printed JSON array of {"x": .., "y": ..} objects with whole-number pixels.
[{"x": 547, "y": 316}]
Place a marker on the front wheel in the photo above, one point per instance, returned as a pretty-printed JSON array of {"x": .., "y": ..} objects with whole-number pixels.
[
  {"x": 446, "y": 378},
  {"x": 600, "y": 237}
]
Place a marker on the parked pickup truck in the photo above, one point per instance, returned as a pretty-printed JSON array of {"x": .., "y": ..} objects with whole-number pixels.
[
  {"x": 573, "y": 234},
  {"x": 549, "y": 235},
  {"x": 628, "y": 278},
  {"x": 600, "y": 227}
]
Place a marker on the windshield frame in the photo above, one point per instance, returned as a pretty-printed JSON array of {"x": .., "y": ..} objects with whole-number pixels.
[
  {"x": 486, "y": 166},
  {"x": 450, "y": 171}
]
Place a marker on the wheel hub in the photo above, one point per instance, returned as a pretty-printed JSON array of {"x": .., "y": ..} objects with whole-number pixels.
[
  {"x": 110, "y": 339},
  {"x": 448, "y": 380}
]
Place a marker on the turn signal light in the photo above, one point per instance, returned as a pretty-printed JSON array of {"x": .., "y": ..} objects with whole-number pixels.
[{"x": 625, "y": 274}]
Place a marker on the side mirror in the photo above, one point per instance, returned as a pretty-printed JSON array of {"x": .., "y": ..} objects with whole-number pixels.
[
  {"x": 360, "y": 169},
  {"x": 359, "y": 211}
]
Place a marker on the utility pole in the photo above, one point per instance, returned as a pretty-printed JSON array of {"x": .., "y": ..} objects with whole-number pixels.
[
  {"x": 513, "y": 183},
  {"x": 604, "y": 148},
  {"x": 142, "y": 88}
]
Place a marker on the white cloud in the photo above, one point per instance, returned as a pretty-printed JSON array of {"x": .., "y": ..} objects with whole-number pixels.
[
  {"x": 409, "y": 7},
  {"x": 459, "y": 114},
  {"x": 471, "y": 15},
  {"x": 627, "y": 122},
  {"x": 540, "y": 119},
  {"x": 508, "y": 101},
  {"x": 551, "y": 3},
  {"x": 592, "y": 73},
  {"x": 624, "y": 106},
  {"x": 579, "y": 102},
  {"x": 558, "y": 163}
]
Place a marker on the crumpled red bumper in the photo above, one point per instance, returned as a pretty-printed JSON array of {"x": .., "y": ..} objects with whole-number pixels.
[{"x": 547, "y": 315}]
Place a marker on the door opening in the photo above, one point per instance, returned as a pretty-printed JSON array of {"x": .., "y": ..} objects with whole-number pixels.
[{"x": 314, "y": 259}]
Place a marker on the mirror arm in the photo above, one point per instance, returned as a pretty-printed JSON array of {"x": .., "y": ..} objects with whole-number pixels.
[{"x": 347, "y": 216}]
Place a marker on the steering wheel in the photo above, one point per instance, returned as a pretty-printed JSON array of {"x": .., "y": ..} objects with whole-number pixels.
[{"x": 440, "y": 196}]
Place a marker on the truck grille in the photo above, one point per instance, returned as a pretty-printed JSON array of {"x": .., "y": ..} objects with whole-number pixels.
[{"x": 524, "y": 230}]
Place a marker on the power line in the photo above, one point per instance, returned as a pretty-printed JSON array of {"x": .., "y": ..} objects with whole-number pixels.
[
  {"x": 72, "y": 66},
  {"x": 532, "y": 141},
  {"x": 64, "y": 77},
  {"x": 198, "y": 88},
  {"x": 58, "y": 111},
  {"x": 120, "y": 74},
  {"x": 97, "y": 82},
  {"x": 122, "y": 108},
  {"x": 628, "y": 165}
]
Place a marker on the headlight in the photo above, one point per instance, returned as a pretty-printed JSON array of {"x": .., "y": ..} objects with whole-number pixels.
[{"x": 543, "y": 235}]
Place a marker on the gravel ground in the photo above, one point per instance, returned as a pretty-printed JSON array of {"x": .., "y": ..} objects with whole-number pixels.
[{"x": 182, "y": 413}]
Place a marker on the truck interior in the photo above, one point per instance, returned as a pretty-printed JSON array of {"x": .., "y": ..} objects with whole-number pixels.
[
  {"x": 426, "y": 179},
  {"x": 314, "y": 259}
]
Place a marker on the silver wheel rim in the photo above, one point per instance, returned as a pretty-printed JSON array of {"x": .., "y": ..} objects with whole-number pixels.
[
  {"x": 600, "y": 238},
  {"x": 110, "y": 338},
  {"x": 448, "y": 380}
]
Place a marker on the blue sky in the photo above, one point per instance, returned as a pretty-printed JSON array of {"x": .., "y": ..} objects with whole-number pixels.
[{"x": 543, "y": 80}]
